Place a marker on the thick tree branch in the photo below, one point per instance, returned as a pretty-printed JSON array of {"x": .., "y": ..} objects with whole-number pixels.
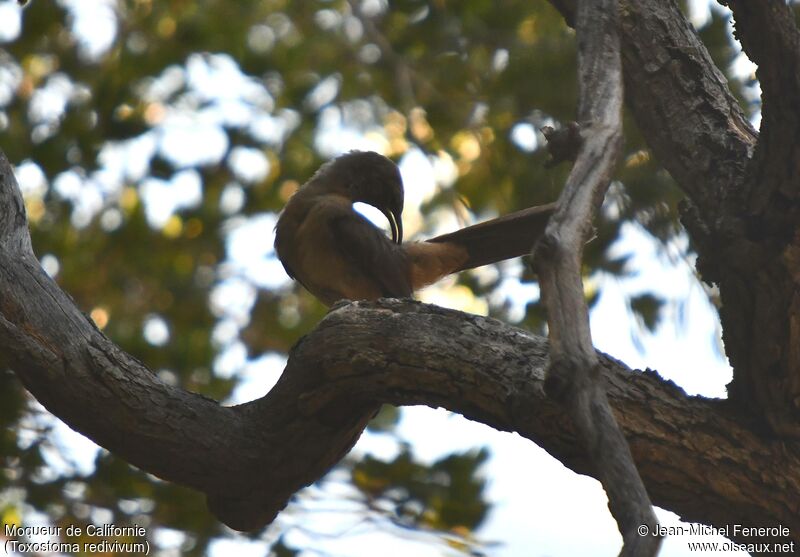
[
  {"x": 696, "y": 458},
  {"x": 681, "y": 102},
  {"x": 574, "y": 363},
  {"x": 758, "y": 269},
  {"x": 768, "y": 32},
  {"x": 746, "y": 205},
  {"x": 744, "y": 208}
]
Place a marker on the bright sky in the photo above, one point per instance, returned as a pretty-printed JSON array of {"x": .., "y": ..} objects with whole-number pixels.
[{"x": 540, "y": 508}]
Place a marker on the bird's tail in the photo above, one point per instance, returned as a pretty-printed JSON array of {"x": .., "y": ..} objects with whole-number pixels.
[{"x": 511, "y": 235}]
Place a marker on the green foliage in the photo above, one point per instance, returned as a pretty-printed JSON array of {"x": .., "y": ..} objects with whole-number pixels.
[
  {"x": 445, "y": 495},
  {"x": 459, "y": 81}
]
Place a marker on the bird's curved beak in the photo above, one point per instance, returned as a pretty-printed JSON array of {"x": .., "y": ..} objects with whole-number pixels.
[{"x": 396, "y": 224}]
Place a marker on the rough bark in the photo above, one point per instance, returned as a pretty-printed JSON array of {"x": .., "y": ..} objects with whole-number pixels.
[
  {"x": 742, "y": 211},
  {"x": 573, "y": 361},
  {"x": 760, "y": 276},
  {"x": 696, "y": 457}
]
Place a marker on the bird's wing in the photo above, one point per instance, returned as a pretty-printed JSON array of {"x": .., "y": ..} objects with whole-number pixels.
[{"x": 372, "y": 254}]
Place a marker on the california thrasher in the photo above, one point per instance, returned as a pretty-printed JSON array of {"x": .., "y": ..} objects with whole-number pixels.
[{"x": 336, "y": 253}]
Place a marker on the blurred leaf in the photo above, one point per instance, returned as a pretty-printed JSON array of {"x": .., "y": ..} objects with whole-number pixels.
[
  {"x": 280, "y": 549},
  {"x": 386, "y": 420},
  {"x": 446, "y": 495},
  {"x": 647, "y": 307}
]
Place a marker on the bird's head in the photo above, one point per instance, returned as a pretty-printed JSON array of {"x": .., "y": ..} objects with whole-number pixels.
[{"x": 370, "y": 178}]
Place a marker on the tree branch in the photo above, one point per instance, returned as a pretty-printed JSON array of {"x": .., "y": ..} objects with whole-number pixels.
[
  {"x": 770, "y": 38},
  {"x": 573, "y": 375},
  {"x": 744, "y": 208},
  {"x": 771, "y": 199},
  {"x": 745, "y": 203},
  {"x": 681, "y": 102},
  {"x": 769, "y": 35},
  {"x": 697, "y": 459},
  {"x": 251, "y": 458}
]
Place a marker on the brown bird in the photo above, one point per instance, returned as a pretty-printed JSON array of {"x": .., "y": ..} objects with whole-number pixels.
[{"x": 336, "y": 253}]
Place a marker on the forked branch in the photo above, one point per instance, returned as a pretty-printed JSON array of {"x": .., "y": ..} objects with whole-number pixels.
[{"x": 573, "y": 375}]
